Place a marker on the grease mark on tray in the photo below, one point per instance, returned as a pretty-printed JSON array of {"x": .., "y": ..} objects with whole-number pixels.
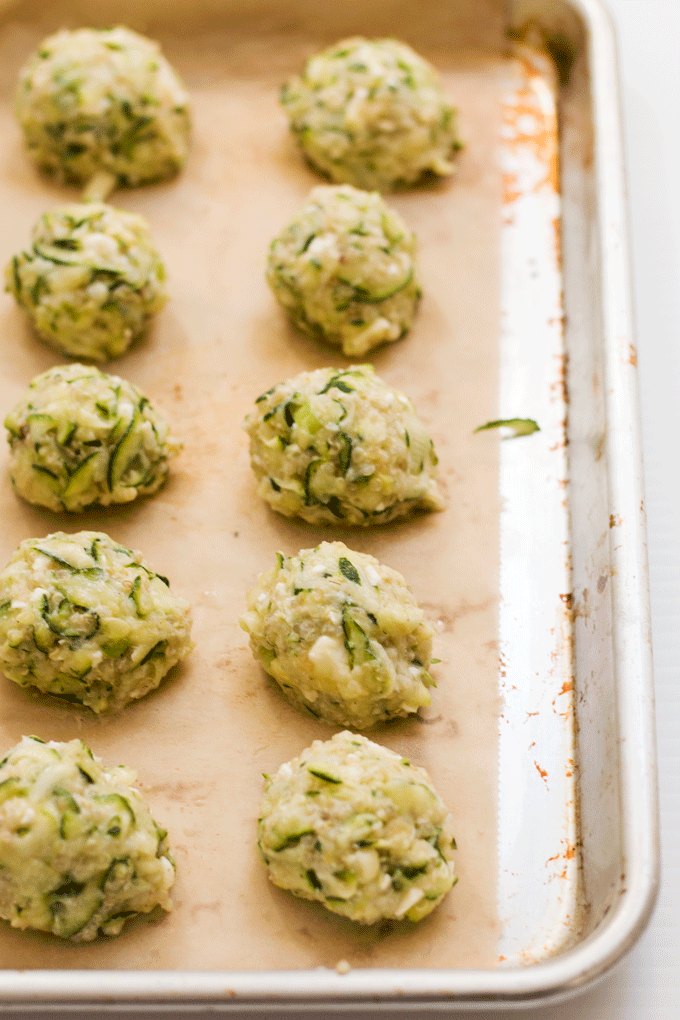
[{"x": 542, "y": 773}]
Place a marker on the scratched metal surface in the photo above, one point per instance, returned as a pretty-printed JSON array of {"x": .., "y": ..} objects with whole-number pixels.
[{"x": 539, "y": 875}]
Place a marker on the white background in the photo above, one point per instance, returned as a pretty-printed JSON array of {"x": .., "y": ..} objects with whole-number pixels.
[{"x": 646, "y": 986}]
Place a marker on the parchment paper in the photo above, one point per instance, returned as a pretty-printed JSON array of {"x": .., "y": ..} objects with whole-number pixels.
[{"x": 201, "y": 742}]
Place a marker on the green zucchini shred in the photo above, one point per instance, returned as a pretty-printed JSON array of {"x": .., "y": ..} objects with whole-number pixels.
[
  {"x": 292, "y": 840},
  {"x": 348, "y": 570},
  {"x": 321, "y": 774},
  {"x": 154, "y": 653},
  {"x": 519, "y": 426},
  {"x": 356, "y": 642},
  {"x": 313, "y": 879}
]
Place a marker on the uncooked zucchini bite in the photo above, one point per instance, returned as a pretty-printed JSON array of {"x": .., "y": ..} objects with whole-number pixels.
[
  {"x": 358, "y": 828},
  {"x": 340, "y": 446},
  {"x": 84, "y": 618},
  {"x": 90, "y": 280},
  {"x": 80, "y": 437},
  {"x": 95, "y": 101},
  {"x": 79, "y": 850},
  {"x": 345, "y": 270},
  {"x": 342, "y": 635}
]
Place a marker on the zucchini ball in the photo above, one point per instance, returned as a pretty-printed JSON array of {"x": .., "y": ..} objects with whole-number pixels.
[
  {"x": 79, "y": 850},
  {"x": 342, "y": 635},
  {"x": 79, "y": 436},
  {"x": 372, "y": 113},
  {"x": 339, "y": 446},
  {"x": 95, "y": 101},
  {"x": 90, "y": 281},
  {"x": 345, "y": 270},
  {"x": 356, "y": 827},
  {"x": 85, "y": 619}
]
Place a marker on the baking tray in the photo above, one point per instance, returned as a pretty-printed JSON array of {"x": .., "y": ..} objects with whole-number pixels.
[{"x": 565, "y": 776}]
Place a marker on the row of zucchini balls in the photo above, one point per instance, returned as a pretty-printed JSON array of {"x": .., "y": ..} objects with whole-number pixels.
[{"x": 84, "y": 618}]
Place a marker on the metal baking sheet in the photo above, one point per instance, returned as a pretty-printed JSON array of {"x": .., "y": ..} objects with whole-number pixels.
[{"x": 572, "y": 869}]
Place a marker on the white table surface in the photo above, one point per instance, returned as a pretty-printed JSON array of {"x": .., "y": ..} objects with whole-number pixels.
[{"x": 646, "y": 985}]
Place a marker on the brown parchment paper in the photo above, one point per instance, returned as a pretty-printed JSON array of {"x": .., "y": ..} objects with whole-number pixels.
[{"x": 201, "y": 742}]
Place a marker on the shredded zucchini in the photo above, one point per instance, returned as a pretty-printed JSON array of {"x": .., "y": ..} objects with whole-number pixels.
[
  {"x": 372, "y": 113},
  {"x": 90, "y": 281},
  {"x": 370, "y": 460},
  {"x": 342, "y": 635},
  {"x": 103, "y": 106},
  {"x": 79, "y": 850},
  {"x": 78, "y": 437},
  {"x": 88, "y": 620},
  {"x": 519, "y": 426},
  {"x": 359, "y": 829},
  {"x": 344, "y": 269}
]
